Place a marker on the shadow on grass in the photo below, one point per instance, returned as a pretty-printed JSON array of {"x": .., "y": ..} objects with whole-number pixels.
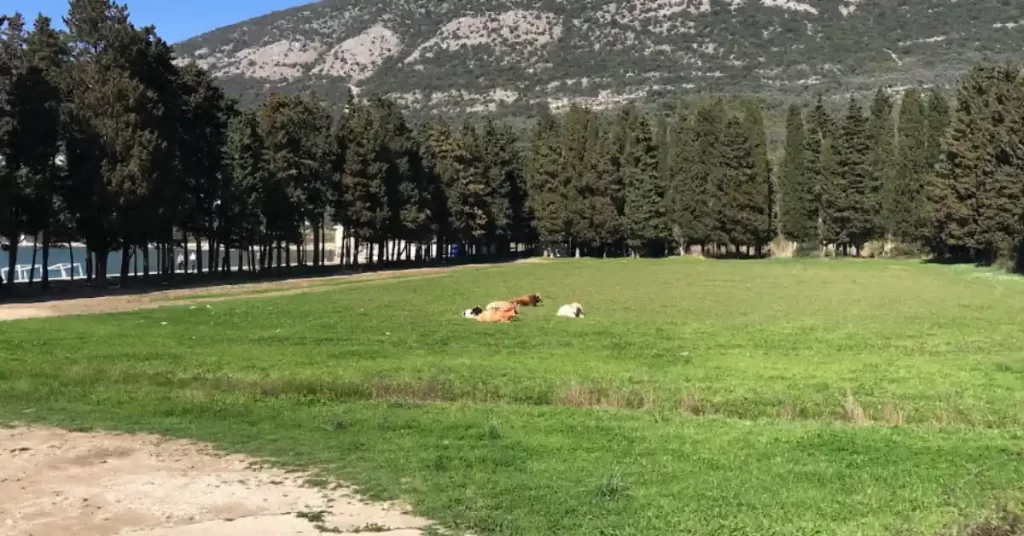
[{"x": 64, "y": 290}]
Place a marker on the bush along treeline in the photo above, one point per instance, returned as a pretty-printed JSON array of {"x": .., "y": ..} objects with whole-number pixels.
[{"x": 104, "y": 139}]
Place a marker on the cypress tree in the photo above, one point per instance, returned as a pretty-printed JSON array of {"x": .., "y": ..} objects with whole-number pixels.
[
  {"x": 849, "y": 204},
  {"x": 743, "y": 211},
  {"x": 646, "y": 221},
  {"x": 938, "y": 122},
  {"x": 881, "y": 138},
  {"x": 904, "y": 199},
  {"x": 576, "y": 142},
  {"x": 1000, "y": 191},
  {"x": 696, "y": 168},
  {"x": 763, "y": 189},
  {"x": 818, "y": 131},
  {"x": 546, "y": 191},
  {"x": 799, "y": 221},
  {"x": 952, "y": 194}
]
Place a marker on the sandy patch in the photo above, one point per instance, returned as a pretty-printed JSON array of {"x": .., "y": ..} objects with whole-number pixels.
[
  {"x": 55, "y": 482},
  {"x": 208, "y": 294}
]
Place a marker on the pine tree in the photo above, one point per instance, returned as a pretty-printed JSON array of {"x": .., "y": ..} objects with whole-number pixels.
[
  {"x": 799, "y": 208},
  {"x": 12, "y": 190},
  {"x": 362, "y": 207},
  {"x": 37, "y": 122},
  {"x": 849, "y": 205},
  {"x": 904, "y": 202},
  {"x": 245, "y": 181}
]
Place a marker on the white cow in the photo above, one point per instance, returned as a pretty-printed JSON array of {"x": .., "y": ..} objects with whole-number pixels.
[{"x": 572, "y": 310}]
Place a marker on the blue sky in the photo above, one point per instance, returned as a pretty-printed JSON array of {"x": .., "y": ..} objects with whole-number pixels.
[{"x": 175, "y": 20}]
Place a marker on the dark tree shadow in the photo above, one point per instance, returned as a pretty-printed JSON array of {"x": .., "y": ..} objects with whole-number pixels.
[{"x": 81, "y": 288}]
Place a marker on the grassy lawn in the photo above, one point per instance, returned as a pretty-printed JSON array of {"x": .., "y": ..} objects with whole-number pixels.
[{"x": 713, "y": 397}]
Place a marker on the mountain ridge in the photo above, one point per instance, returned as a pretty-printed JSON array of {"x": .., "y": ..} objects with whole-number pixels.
[{"x": 489, "y": 54}]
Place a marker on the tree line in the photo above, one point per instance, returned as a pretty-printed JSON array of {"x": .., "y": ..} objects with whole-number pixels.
[
  {"x": 925, "y": 177},
  {"x": 105, "y": 139}
]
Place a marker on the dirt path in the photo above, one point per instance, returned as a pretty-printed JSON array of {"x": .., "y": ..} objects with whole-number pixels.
[
  {"x": 129, "y": 302},
  {"x": 59, "y": 483}
]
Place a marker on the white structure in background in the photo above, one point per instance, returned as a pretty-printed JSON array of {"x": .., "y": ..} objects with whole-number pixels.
[
  {"x": 63, "y": 271},
  {"x": 368, "y": 252}
]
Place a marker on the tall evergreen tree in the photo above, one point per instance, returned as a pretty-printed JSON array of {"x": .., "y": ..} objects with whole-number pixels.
[
  {"x": 743, "y": 209},
  {"x": 952, "y": 194},
  {"x": 799, "y": 221},
  {"x": 881, "y": 139},
  {"x": 362, "y": 207},
  {"x": 696, "y": 171},
  {"x": 245, "y": 182},
  {"x": 938, "y": 122},
  {"x": 1000, "y": 192},
  {"x": 12, "y": 189},
  {"x": 904, "y": 200},
  {"x": 647, "y": 224},
  {"x": 849, "y": 204},
  {"x": 818, "y": 131},
  {"x": 38, "y": 102},
  {"x": 545, "y": 184},
  {"x": 762, "y": 190}
]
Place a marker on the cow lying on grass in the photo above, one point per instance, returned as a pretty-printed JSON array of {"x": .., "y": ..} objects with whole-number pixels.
[
  {"x": 503, "y": 304},
  {"x": 531, "y": 300},
  {"x": 492, "y": 316},
  {"x": 572, "y": 310}
]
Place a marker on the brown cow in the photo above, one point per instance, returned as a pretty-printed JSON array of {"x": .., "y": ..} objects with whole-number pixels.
[
  {"x": 494, "y": 316},
  {"x": 496, "y": 305},
  {"x": 531, "y": 300}
]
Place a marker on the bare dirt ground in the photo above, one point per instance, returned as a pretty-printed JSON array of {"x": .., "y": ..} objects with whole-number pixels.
[
  {"x": 186, "y": 296},
  {"x": 55, "y": 482}
]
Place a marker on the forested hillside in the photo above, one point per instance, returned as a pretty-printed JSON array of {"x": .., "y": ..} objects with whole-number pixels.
[{"x": 514, "y": 54}]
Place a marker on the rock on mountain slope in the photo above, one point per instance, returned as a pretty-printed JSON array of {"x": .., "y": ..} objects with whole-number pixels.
[{"x": 487, "y": 54}]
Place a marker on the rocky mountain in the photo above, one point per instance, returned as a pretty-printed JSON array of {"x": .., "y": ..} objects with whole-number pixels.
[{"x": 514, "y": 54}]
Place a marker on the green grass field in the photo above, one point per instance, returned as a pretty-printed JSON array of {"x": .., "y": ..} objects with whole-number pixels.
[{"x": 712, "y": 397}]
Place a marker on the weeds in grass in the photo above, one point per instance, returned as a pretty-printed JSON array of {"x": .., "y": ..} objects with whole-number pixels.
[
  {"x": 612, "y": 488},
  {"x": 894, "y": 415},
  {"x": 852, "y": 411},
  {"x": 691, "y": 404},
  {"x": 493, "y": 431}
]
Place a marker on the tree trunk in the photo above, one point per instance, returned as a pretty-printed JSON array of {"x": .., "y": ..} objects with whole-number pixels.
[
  {"x": 12, "y": 261},
  {"x": 316, "y": 246},
  {"x": 35, "y": 252},
  {"x": 125, "y": 265},
  {"x": 46, "y": 259},
  {"x": 323, "y": 244},
  {"x": 145, "y": 263},
  {"x": 88, "y": 264},
  {"x": 71, "y": 253},
  {"x": 102, "y": 256}
]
